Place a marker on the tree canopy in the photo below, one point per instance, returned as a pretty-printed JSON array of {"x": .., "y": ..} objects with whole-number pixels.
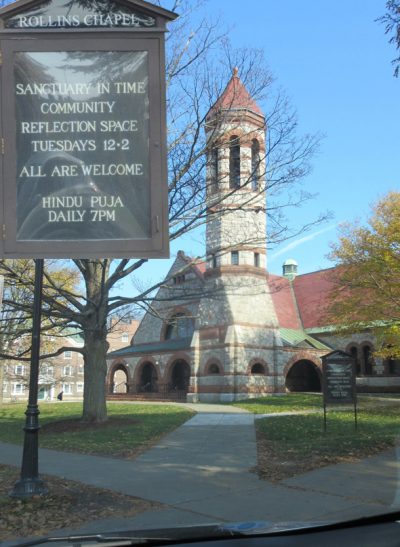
[
  {"x": 367, "y": 290},
  {"x": 391, "y": 20}
]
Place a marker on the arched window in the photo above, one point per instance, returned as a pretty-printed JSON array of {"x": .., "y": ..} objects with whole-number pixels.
[
  {"x": 255, "y": 164},
  {"x": 214, "y": 169},
  {"x": 213, "y": 369},
  {"x": 179, "y": 326},
  {"x": 257, "y": 368},
  {"x": 234, "y": 162},
  {"x": 354, "y": 353}
]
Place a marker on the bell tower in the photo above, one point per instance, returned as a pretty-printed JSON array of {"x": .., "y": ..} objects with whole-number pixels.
[
  {"x": 235, "y": 180},
  {"x": 237, "y": 327}
]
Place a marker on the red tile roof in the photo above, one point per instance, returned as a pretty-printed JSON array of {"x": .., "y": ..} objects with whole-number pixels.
[
  {"x": 236, "y": 96},
  {"x": 201, "y": 266},
  {"x": 284, "y": 302},
  {"x": 312, "y": 293}
]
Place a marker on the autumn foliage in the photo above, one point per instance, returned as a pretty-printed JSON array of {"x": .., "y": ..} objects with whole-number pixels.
[{"x": 367, "y": 290}]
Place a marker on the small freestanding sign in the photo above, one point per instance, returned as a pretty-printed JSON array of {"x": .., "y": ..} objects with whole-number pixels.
[
  {"x": 339, "y": 381},
  {"x": 83, "y": 129}
]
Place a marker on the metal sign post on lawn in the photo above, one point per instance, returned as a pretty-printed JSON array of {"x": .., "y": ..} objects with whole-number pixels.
[
  {"x": 339, "y": 381},
  {"x": 83, "y": 142}
]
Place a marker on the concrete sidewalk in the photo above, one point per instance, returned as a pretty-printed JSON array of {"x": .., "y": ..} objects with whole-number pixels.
[{"x": 202, "y": 474}]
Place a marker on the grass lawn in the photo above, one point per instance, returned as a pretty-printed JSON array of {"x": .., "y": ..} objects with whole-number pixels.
[
  {"x": 288, "y": 445},
  {"x": 299, "y": 402},
  {"x": 130, "y": 428},
  {"x": 288, "y": 402}
]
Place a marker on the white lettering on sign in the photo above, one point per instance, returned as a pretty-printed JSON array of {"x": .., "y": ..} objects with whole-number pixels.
[
  {"x": 92, "y": 20},
  {"x": 49, "y": 21},
  {"x": 64, "y": 146},
  {"x": 130, "y": 87},
  {"x": 67, "y": 216},
  {"x": 83, "y": 146},
  {"x": 79, "y": 107},
  {"x": 111, "y": 169},
  {"x": 32, "y": 171},
  {"x": 64, "y": 202},
  {"x": 100, "y": 216},
  {"x": 45, "y": 89},
  {"x": 106, "y": 201},
  {"x": 111, "y": 126},
  {"x": 70, "y": 170},
  {"x": 70, "y": 126}
]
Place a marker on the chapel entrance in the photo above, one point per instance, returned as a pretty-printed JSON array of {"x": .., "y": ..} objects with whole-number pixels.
[
  {"x": 148, "y": 382},
  {"x": 180, "y": 379},
  {"x": 303, "y": 376}
]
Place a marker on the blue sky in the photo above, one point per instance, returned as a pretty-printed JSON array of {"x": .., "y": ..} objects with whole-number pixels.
[{"x": 334, "y": 62}]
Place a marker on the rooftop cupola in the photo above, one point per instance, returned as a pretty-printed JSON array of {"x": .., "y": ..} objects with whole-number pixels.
[{"x": 289, "y": 268}]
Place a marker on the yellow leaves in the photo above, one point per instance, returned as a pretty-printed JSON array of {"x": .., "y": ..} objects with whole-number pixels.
[
  {"x": 388, "y": 342},
  {"x": 367, "y": 287}
]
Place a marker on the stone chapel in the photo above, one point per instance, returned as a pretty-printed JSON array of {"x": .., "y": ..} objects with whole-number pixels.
[{"x": 224, "y": 329}]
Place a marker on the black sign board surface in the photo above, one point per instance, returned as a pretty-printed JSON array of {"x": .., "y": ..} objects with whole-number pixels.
[
  {"x": 339, "y": 381},
  {"x": 83, "y": 159},
  {"x": 338, "y": 373}
]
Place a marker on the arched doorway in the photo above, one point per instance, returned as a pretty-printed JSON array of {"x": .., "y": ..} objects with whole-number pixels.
[
  {"x": 303, "y": 376},
  {"x": 367, "y": 359},
  {"x": 180, "y": 376},
  {"x": 148, "y": 380},
  {"x": 119, "y": 380}
]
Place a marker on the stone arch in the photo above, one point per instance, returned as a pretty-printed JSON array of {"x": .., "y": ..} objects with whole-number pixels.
[
  {"x": 303, "y": 355},
  {"x": 178, "y": 373},
  {"x": 303, "y": 375},
  {"x": 213, "y": 367},
  {"x": 178, "y": 310},
  {"x": 257, "y": 366},
  {"x": 147, "y": 376},
  {"x": 119, "y": 377}
]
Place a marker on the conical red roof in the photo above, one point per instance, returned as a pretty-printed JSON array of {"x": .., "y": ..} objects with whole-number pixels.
[{"x": 236, "y": 97}]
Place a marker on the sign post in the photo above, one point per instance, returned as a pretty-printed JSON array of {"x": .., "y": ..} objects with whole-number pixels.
[
  {"x": 82, "y": 146},
  {"x": 339, "y": 381}
]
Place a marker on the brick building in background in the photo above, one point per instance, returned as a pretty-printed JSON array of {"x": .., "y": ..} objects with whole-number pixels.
[{"x": 64, "y": 373}]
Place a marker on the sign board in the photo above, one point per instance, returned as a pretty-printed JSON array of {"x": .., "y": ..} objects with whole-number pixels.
[
  {"x": 338, "y": 378},
  {"x": 339, "y": 381},
  {"x": 83, "y": 159}
]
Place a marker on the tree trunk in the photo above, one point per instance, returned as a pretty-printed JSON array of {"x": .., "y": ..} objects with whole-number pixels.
[
  {"x": 95, "y": 335},
  {"x": 94, "y": 397}
]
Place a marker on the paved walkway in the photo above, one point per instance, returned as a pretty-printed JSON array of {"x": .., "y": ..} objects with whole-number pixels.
[{"x": 202, "y": 474}]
